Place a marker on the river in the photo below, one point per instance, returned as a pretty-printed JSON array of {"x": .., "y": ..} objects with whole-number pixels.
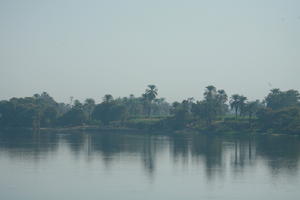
[{"x": 138, "y": 166}]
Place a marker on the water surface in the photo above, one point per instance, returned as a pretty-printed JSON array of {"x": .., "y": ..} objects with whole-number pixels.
[{"x": 122, "y": 165}]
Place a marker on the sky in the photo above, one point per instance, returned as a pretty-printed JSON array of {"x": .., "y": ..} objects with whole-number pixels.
[{"x": 90, "y": 48}]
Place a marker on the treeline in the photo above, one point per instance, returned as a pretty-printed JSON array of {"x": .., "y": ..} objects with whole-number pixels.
[
  {"x": 41, "y": 110},
  {"x": 278, "y": 112}
]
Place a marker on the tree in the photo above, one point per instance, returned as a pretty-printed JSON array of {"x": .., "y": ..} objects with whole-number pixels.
[
  {"x": 77, "y": 104},
  {"x": 237, "y": 103},
  {"x": 88, "y": 107},
  {"x": 181, "y": 114},
  {"x": 277, "y": 99},
  {"x": 134, "y": 105},
  {"x": 148, "y": 97},
  {"x": 108, "y": 98},
  {"x": 234, "y": 104},
  {"x": 285, "y": 120},
  {"x": 73, "y": 117},
  {"x": 222, "y": 98},
  {"x": 209, "y": 105},
  {"x": 151, "y": 92},
  {"x": 38, "y": 110},
  {"x": 160, "y": 107},
  {"x": 109, "y": 110},
  {"x": 213, "y": 105},
  {"x": 251, "y": 108},
  {"x": 48, "y": 116},
  {"x": 242, "y": 104}
]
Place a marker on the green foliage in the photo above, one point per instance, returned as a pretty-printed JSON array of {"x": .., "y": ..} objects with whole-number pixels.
[
  {"x": 251, "y": 108},
  {"x": 109, "y": 110},
  {"x": 74, "y": 117},
  {"x": 145, "y": 123},
  {"x": 49, "y": 116},
  {"x": 182, "y": 114},
  {"x": 88, "y": 107},
  {"x": 151, "y": 92},
  {"x": 238, "y": 104},
  {"x": 213, "y": 105},
  {"x": 277, "y": 99},
  {"x": 36, "y": 111},
  {"x": 279, "y": 112},
  {"x": 285, "y": 120},
  {"x": 148, "y": 97}
]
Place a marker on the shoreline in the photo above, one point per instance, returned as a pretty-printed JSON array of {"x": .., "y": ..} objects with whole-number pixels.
[
  {"x": 127, "y": 129},
  {"x": 73, "y": 128}
]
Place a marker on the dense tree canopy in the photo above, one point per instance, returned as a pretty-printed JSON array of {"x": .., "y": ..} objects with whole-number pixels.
[
  {"x": 279, "y": 111},
  {"x": 277, "y": 99},
  {"x": 213, "y": 105},
  {"x": 109, "y": 110}
]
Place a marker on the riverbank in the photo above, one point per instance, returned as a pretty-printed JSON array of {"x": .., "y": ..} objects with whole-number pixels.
[
  {"x": 186, "y": 131},
  {"x": 73, "y": 128}
]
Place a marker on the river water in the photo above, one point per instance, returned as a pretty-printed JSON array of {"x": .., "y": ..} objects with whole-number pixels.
[{"x": 139, "y": 166}]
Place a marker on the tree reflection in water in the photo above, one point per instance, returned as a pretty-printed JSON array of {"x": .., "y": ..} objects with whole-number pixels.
[{"x": 215, "y": 153}]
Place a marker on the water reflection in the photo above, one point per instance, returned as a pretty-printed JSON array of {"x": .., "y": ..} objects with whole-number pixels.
[
  {"x": 216, "y": 154},
  {"x": 28, "y": 146},
  {"x": 279, "y": 154}
]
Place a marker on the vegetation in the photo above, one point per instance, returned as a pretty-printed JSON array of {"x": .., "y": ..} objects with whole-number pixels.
[{"x": 278, "y": 112}]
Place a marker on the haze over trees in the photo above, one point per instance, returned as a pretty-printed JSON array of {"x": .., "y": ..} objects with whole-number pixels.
[{"x": 278, "y": 112}]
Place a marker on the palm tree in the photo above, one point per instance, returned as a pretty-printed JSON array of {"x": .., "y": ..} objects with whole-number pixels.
[
  {"x": 221, "y": 101},
  {"x": 237, "y": 103},
  {"x": 210, "y": 92},
  {"x": 89, "y": 106},
  {"x": 151, "y": 92},
  {"x": 108, "y": 98},
  {"x": 222, "y": 96},
  {"x": 149, "y": 95},
  {"x": 242, "y": 103},
  {"x": 234, "y": 103}
]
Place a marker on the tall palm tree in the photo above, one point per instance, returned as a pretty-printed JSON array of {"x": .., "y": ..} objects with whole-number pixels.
[
  {"x": 89, "y": 106},
  {"x": 221, "y": 101},
  {"x": 237, "y": 103},
  {"x": 149, "y": 95},
  {"x": 234, "y": 103},
  {"x": 210, "y": 92},
  {"x": 151, "y": 92},
  {"x": 242, "y": 103},
  {"x": 108, "y": 98},
  {"x": 222, "y": 96}
]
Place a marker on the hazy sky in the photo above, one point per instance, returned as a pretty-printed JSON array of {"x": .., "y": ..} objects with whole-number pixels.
[{"x": 91, "y": 48}]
